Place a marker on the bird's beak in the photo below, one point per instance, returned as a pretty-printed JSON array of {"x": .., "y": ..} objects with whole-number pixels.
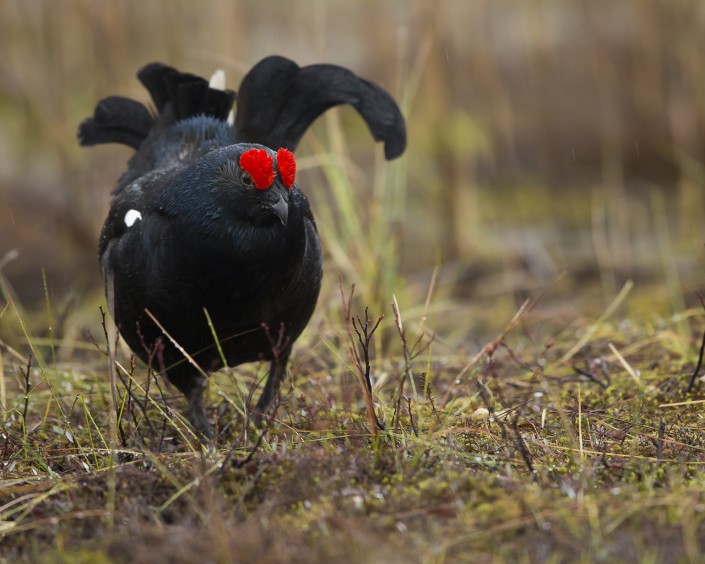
[{"x": 281, "y": 208}]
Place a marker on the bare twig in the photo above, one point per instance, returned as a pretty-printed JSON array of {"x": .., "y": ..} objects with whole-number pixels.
[
  {"x": 588, "y": 373},
  {"x": 406, "y": 373},
  {"x": 659, "y": 442},
  {"x": 411, "y": 418},
  {"x": 26, "y": 392},
  {"x": 522, "y": 364},
  {"x": 697, "y": 366},
  {"x": 521, "y": 446},
  {"x": 364, "y": 336},
  {"x": 250, "y": 455},
  {"x": 253, "y": 450},
  {"x": 362, "y": 374}
]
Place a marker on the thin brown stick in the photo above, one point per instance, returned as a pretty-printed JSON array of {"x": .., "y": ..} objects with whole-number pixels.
[
  {"x": 698, "y": 366},
  {"x": 362, "y": 374},
  {"x": 364, "y": 337},
  {"x": 26, "y": 393}
]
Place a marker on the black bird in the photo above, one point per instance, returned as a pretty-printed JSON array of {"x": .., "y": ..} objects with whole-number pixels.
[{"x": 210, "y": 250}]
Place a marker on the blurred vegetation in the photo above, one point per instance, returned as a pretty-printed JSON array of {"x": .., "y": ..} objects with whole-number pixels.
[
  {"x": 556, "y": 153},
  {"x": 544, "y": 135}
]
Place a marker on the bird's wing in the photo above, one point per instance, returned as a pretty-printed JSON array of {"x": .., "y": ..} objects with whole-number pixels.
[
  {"x": 278, "y": 100},
  {"x": 130, "y": 205}
]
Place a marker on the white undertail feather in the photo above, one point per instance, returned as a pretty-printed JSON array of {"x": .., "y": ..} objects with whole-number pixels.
[{"x": 217, "y": 81}]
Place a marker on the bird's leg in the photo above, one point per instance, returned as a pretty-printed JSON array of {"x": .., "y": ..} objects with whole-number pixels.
[
  {"x": 276, "y": 373},
  {"x": 196, "y": 410}
]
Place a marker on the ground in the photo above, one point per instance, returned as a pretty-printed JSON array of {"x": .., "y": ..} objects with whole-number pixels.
[{"x": 582, "y": 446}]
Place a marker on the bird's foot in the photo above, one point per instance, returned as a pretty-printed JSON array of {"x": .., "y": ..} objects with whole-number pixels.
[{"x": 197, "y": 415}]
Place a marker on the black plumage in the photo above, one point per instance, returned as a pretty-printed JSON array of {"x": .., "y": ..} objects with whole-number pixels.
[{"x": 201, "y": 240}]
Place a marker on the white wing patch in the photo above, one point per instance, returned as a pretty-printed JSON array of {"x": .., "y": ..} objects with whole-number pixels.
[{"x": 132, "y": 216}]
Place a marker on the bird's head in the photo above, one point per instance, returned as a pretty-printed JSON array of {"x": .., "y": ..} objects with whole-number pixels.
[
  {"x": 235, "y": 189},
  {"x": 254, "y": 183}
]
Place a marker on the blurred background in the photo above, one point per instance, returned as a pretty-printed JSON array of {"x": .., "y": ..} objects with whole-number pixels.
[{"x": 554, "y": 146}]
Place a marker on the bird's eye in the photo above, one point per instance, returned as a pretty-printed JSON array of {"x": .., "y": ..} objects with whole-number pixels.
[{"x": 246, "y": 180}]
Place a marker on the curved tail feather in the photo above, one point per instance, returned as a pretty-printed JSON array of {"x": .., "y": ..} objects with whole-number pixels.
[
  {"x": 188, "y": 94},
  {"x": 116, "y": 120},
  {"x": 277, "y": 103},
  {"x": 278, "y": 100},
  {"x": 176, "y": 96}
]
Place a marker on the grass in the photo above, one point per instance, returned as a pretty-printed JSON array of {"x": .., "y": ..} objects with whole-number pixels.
[
  {"x": 522, "y": 456},
  {"x": 534, "y": 259}
]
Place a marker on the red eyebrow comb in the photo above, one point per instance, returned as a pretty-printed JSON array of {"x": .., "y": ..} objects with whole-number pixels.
[
  {"x": 287, "y": 167},
  {"x": 259, "y": 164}
]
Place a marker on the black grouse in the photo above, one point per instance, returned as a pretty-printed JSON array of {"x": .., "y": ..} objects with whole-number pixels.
[{"x": 208, "y": 236}]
